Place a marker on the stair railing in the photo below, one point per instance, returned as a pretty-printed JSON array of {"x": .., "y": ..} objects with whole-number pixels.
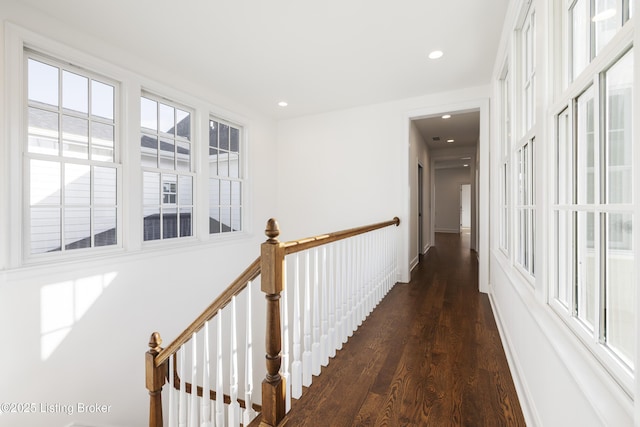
[{"x": 352, "y": 270}]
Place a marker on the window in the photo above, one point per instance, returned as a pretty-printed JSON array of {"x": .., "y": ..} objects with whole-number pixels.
[
  {"x": 225, "y": 177},
  {"x": 71, "y": 172},
  {"x": 524, "y": 219},
  {"x": 168, "y": 178},
  {"x": 525, "y": 207},
  {"x": 528, "y": 66},
  {"x": 594, "y": 212},
  {"x": 505, "y": 171},
  {"x": 593, "y": 23}
]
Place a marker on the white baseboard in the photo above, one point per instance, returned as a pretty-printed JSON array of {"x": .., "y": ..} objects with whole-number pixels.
[{"x": 528, "y": 408}]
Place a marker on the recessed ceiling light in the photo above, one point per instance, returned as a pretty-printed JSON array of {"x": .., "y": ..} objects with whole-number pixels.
[
  {"x": 465, "y": 158},
  {"x": 466, "y": 165},
  {"x": 449, "y": 140},
  {"x": 436, "y": 54},
  {"x": 446, "y": 116},
  {"x": 283, "y": 103}
]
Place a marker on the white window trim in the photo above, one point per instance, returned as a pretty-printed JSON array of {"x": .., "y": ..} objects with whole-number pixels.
[
  {"x": 193, "y": 172},
  {"x": 611, "y": 363},
  {"x": 241, "y": 172},
  {"x": 17, "y": 39},
  {"x": 27, "y": 256},
  {"x": 526, "y": 133}
]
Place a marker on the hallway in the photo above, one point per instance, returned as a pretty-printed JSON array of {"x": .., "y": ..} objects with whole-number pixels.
[{"x": 429, "y": 355}]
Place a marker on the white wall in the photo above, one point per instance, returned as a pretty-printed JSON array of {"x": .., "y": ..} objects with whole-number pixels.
[
  {"x": 349, "y": 167},
  {"x": 101, "y": 311},
  {"x": 447, "y": 198},
  {"x": 419, "y": 155}
]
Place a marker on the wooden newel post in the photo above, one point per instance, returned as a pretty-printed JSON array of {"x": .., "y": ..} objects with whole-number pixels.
[
  {"x": 155, "y": 378},
  {"x": 272, "y": 283}
]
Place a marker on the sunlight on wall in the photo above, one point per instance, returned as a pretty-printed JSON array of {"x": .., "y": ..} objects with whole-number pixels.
[{"x": 63, "y": 304}]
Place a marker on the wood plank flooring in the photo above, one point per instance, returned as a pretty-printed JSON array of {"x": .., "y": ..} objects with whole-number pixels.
[{"x": 429, "y": 355}]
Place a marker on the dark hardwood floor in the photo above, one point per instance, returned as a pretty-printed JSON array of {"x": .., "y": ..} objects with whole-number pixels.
[{"x": 429, "y": 355}]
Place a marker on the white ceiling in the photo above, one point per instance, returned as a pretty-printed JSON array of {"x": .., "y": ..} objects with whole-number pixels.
[
  {"x": 318, "y": 56},
  {"x": 462, "y": 127}
]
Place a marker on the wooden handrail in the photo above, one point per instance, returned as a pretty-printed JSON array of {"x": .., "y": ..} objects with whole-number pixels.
[
  {"x": 270, "y": 264},
  {"x": 221, "y": 302},
  {"x": 294, "y": 246}
]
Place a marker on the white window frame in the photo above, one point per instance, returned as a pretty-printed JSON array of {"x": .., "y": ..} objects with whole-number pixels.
[
  {"x": 239, "y": 182},
  {"x": 592, "y": 336},
  {"x": 523, "y": 168},
  {"x": 13, "y": 246},
  {"x": 506, "y": 134},
  {"x": 626, "y": 9},
  {"x": 163, "y": 171},
  {"x": 62, "y": 63}
]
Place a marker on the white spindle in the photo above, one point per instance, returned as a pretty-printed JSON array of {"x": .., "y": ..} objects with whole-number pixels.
[
  {"x": 306, "y": 356},
  {"x": 332, "y": 301},
  {"x": 182, "y": 405},
  {"x": 367, "y": 275},
  {"x": 296, "y": 367},
  {"x": 358, "y": 280},
  {"x": 193, "y": 397},
  {"x": 249, "y": 414},
  {"x": 315, "y": 348},
  {"x": 324, "y": 339},
  {"x": 234, "y": 406},
  {"x": 205, "y": 409},
  {"x": 285, "y": 340},
  {"x": 351, "y": 320},
  {"x": 173, "y": 420},
  {"x": 338, "y": 294},
  {"x": 219, "y": 377},
  {"x": 345, "y": 293}
]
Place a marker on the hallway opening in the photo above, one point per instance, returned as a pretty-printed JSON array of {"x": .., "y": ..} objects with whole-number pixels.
[{"x": 429, "y": 354}]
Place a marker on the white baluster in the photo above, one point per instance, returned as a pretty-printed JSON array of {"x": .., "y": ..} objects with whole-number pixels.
[
  {"x": 182, "y": 405},
  {"x": 338, "y": 295},
  {"x": 249, "y": 413},
  {"x": 296, "y": 367},
  {"x": 234, "y": 407},
  {"x": 391, "y": 256},
  {"x": 219, "y": 378},
  {"x": 193, "y": 397},
  {"x": 315, "y": 348},
  {"x": 205, "y": 409},
  {"x": 351, "y": 320},
  {"x": 383, "y": 263},
  {"x": 360, "y": 282},
  {"x": 324, "y": 339},
  {"x": 173, "y": 420},
  {"x": 306, "y": 356},
  {"x": 345, "y": 292},
  {"x": 284, "y": 312},
  {"x": 368, "y": 305},
  {"x": 332, "y": 301}
]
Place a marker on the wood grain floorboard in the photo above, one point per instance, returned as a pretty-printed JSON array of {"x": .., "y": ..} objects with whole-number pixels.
[{"x": 428, "y": 355}]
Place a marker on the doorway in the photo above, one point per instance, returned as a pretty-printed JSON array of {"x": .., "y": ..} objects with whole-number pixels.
[
  {"x": 465, "y": 207},
  {"x": 420, "y": 209},
  {"x": 439, "y": 144}
]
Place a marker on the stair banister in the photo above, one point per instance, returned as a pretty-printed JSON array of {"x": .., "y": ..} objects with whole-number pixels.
[
  {"x": 271, "y": 267},
  {"x": 272, "y": 284}
]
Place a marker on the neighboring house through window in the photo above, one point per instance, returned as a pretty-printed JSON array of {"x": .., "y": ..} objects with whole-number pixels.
[{"x": 71, "y": 169}]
